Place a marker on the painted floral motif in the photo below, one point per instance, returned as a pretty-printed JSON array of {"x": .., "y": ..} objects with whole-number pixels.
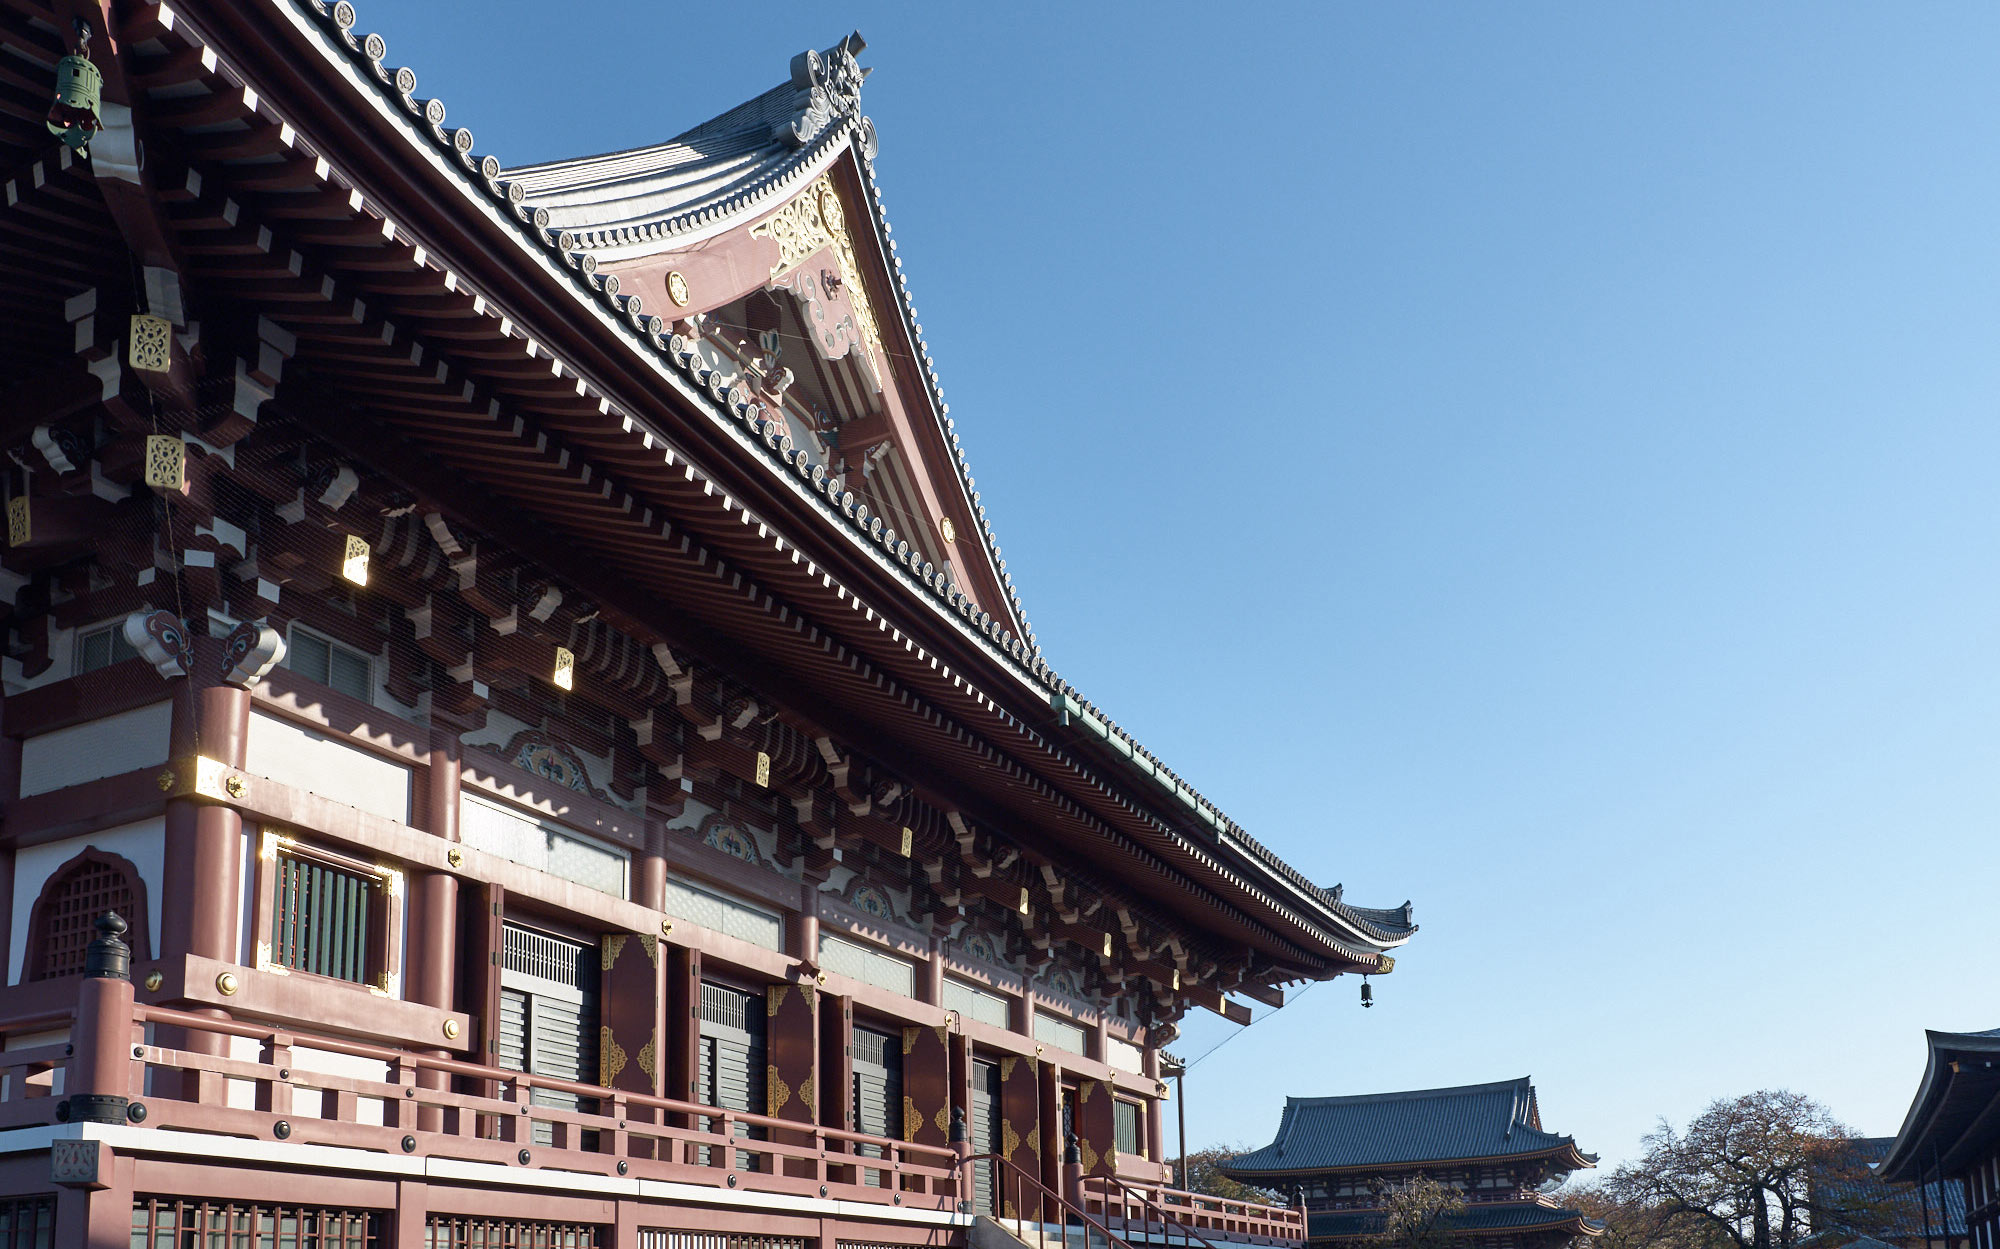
[
  {"x": 553, "y": 765},
  {"x": 872, "y": 901},
  {"x": 732, "y": 841}
]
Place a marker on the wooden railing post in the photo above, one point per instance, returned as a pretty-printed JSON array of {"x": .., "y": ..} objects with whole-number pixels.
[{"x": 99, "y": 1083}]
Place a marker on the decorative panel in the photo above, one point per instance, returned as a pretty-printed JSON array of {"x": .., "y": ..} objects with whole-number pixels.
[
  {"x": 1096, "y": 1131},
  {"x": 927, "y": 1085},
  {"x": 791, "y": 1038},
  {"x": 631, "y": 1040},
  {"x": 1020, "y": 1113},
  {"x": 683, "y": 1026}
]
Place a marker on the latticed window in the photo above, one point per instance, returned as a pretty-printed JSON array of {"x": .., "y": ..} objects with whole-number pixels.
[
  {"x": 64, "y": 920},
  {"x": 1125, "y": 1120},
  {"x": 329, "y": 918},
  {"x": 449, "y": 1232},
  {"x": 28, "y": 1223},
  {"x": 658, "y": 1238},
  {"x": 163, "y": 1223}
]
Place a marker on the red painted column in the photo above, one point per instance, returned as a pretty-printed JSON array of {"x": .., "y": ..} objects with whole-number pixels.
[
  {"x": 201, "y": 887},
  {"x": 649, "y": 884},
  {"x": 431, "y": 970},
  {"x": 10, "y": 789}
]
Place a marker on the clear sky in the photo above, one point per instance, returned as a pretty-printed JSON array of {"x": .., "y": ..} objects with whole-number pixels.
[{"x": 1536, "y": 460}]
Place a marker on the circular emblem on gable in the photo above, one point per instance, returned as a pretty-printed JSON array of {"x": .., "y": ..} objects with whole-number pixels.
[
  {"x": 677, "y": 289},
  {"x": 872, "y": 901},
  {"x": 831, "y": 212},
  {"x": 949, "y": 531}
]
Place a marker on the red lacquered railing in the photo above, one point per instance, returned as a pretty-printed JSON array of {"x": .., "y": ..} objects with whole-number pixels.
[{"x": 1190, "y": 1218}]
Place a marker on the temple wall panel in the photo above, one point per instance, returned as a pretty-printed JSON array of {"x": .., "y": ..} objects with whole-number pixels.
[
  {"x": 318, "y": 764},
  {"x": 142, "y": 844},
  {"x": 96, "y": 749}
]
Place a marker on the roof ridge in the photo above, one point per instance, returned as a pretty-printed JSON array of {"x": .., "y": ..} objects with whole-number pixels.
[
  {"x": 836, "y": 126},
  {"x": 1336, "y": 1099}
]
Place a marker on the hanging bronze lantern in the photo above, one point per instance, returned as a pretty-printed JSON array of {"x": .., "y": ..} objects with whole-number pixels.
[
  {"x": 1367, "y": 993},
  {"x": 79, "y": 90}
]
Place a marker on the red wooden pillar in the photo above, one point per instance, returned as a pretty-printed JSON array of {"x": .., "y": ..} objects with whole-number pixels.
[
  {"x": 10, "y": 789},
  {"x": 1049, "y": 1101},
  {"x": 836, "y": 1062},
  {"x": 1156, "y": 1109},
  {"x": 201, "y": 887},
  {"x": 683, "y": 1029},
  {"x": 430, "y": 969}
]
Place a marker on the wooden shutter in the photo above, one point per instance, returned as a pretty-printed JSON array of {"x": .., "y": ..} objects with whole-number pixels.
[
  {"x": 983, "y": 1126},
  {"x": 926, "y": 1118},
  {"x": 629, "y": 1041},
  {"x": 792, "y": 1041},
  {"x": 1096, "y": 1130},
  {"x": 1020, "y": 1113}
]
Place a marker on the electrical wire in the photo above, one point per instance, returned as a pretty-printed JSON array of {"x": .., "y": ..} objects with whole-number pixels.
[{"x": 1253, "y": 1023}]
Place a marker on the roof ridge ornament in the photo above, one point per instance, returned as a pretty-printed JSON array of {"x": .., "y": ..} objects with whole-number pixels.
[{"x": 829, "y": 86}]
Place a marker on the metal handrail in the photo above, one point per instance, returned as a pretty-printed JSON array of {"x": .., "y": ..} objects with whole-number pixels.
[
  {"x": 1047, "y": 1196},
  {"x": 1189, "y": 1233}
]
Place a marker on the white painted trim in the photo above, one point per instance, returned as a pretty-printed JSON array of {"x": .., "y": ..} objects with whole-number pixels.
[{"x": 267, "y": 1154}]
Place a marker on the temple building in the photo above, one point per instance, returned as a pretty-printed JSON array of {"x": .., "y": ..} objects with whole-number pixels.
[
  {"x": 517, "y": 729},
  {"x": 1951, "y": 1139},
  {"x": 1340, "y": 1155},
  {"x": 1926, "y": 1216}
]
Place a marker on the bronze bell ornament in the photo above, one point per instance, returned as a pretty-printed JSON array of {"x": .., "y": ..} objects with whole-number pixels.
[{"x": 79, "y": 89}]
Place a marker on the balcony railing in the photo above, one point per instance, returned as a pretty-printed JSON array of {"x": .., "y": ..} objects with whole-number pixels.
[
  {"x": 420, "y": 1108},
  {"x": 1178, "y": 1216}
]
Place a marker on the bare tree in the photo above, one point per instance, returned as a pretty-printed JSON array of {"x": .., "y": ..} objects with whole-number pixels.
[
  {"x": 1204, "y": 1177},
  {"x": 1417, "y": 1214},
  {"x": 1751, "y": 1172}
]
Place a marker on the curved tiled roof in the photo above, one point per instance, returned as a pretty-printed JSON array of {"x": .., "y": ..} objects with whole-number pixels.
[
  {"x": 1961, "y": 1086},
  {"x": 1397, "y": 1129},
  {"x": 826, "y": 128}
]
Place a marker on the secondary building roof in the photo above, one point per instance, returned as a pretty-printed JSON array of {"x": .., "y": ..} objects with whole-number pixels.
[
  {"x": 1377, "y": 1130},
  {"x": 1956, "y": 1115}
]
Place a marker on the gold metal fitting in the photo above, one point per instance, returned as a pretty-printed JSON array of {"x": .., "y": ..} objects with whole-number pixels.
[
  {"x": 154, "y": 980},
  {"x": 166, "y": 780},
  {"x": 666, "y": 927},
  {"x": 236, "y": 786},
  {"x": 455, "y": 857},
  {"x": 226, "y": 985},
  {"x": 451, "y": 1029}
]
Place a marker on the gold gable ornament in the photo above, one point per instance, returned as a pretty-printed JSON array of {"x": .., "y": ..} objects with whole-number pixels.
[
  {"x": 151, "y": 347},
  {"x": 19, "y": 526},
  {"x": 909, "y": 841},
  {"x": 166, "y": 462},
  {"x": 763, "y": 770},
  {"x": 354, "y": 560},
  {"x": 565, "y": 672}
]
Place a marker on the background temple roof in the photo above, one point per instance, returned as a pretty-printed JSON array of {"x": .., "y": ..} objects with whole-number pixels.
[{"x": 1391, "y": 1129}]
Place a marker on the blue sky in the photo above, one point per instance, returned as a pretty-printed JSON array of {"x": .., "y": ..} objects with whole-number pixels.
[{"x": 1537, "y": 460}]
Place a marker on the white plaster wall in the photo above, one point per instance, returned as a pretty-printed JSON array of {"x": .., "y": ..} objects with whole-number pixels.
[
  {"x": 304, "y": 1061},
  {"x": 96, "y": 749},
  {"x": 1124, "y": 1055},
  {"x": 323, "y": 765},
  {"x": 143, "y": 843}
]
